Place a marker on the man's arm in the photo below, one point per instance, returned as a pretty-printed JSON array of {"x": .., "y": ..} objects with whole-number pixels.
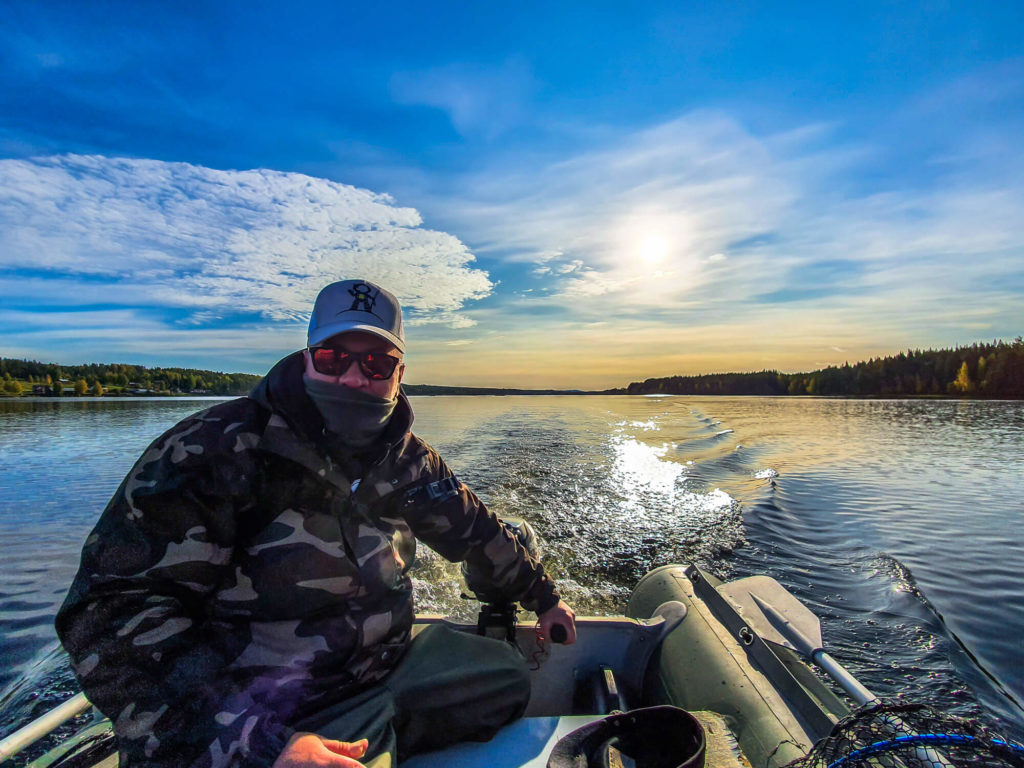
[
  {"x": 459, "y": 527},
  {"x": 133, "y": 622}
]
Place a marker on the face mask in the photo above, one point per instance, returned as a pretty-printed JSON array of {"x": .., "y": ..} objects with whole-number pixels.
[{"x": 353, "y": 419}]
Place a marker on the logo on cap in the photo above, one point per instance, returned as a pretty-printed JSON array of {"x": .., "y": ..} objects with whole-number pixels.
[{"x": 363, "y": 299}]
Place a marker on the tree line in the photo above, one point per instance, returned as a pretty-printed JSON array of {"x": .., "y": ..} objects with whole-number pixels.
[
  {"x": 983, "y": 370},
  {"x": 28, "y": 376}
]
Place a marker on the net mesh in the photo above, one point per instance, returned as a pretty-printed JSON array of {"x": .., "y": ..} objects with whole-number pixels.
[{"x": 902, "y": 735}]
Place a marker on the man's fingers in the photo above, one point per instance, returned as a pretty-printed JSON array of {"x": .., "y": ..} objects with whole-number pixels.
[
  {"x": 558, "y": 624},
  {"x": 570, "y": 631},
  {"x": 341, "y": 761},
  {"x": 563, "y": 632},
  {"x": 353, "y": 749},
  {"x": 306, "y": 750}
]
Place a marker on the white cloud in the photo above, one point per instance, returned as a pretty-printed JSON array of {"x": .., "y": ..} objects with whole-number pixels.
[
  {"x": 573, "y": 266},
  {"x": 214, "y": 243},
  {"x": 594, "y": 283}
]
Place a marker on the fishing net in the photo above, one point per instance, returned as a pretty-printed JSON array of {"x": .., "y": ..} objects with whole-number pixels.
[{"x": 901, "y": 735}]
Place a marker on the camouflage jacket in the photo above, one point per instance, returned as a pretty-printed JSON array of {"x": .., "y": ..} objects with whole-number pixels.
[{"x": 241, "y": 578}]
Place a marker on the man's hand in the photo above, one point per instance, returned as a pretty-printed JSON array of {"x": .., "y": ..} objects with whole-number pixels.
[
  {"x": 560, "y": 615},
  {"x": 307, "y": 750}
]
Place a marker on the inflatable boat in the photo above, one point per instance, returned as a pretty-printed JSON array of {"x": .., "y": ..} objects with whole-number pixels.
[{"x": 730, "y": 654}]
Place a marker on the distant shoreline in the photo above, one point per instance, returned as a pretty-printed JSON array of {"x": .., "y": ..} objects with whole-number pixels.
[
  {"x": 988, "y": 371},
  {"x": 510, "y": 393}
]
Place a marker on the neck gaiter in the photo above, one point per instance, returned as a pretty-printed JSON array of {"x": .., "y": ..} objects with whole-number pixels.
[{"x": 353, "y": 419}]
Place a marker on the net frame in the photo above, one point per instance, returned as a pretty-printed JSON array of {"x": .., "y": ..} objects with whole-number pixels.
[{"x": 898, "y": 734}]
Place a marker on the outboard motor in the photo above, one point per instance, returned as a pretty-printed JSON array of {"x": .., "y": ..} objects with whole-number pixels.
[{"x": 497, "y": 616}]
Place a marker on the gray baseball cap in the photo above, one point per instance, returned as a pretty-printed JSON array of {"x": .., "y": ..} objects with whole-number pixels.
[{"x": 356, "y": 305}]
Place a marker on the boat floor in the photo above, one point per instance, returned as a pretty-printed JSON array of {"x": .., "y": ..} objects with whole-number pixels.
[{"x": 525, "y": 743}]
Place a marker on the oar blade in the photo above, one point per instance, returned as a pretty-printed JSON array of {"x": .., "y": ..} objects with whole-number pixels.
[{"x": 773, "y": 612}]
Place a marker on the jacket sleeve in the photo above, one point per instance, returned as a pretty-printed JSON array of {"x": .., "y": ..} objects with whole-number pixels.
[
  {"x": 453, "y": 522},
  {"x": 141, "y": 644}
]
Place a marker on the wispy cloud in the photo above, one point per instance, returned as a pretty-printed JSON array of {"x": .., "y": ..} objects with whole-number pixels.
[
  {"x": 701, "y": 211},
  {"x": 646, "y": 219},
  {"x": 477, "y": 100}
]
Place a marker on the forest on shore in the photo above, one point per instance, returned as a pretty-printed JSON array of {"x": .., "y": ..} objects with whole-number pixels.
[
  {"x": 984, "y": 370},
  {"x": 30, "y": 377}
]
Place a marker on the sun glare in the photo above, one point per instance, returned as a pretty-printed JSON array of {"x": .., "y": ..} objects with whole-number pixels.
[
  {"x": 653, "y": 249},
  {"x": 650, "y": 239}
]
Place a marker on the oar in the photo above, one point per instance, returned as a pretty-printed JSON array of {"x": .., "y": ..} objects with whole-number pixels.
[
  {"x": 806, "y": 640},
  {"x": 43, "y": 725},
  {"x": 776, "y": 614}
]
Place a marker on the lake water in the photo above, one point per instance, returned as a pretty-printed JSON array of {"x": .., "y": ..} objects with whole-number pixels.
[{"x": 897, "y": 522}]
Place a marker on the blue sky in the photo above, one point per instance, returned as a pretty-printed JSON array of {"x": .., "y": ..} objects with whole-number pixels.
[{"x": 571, "y": 195}]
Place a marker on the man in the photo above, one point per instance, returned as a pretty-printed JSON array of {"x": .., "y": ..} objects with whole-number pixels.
[{"x": 243, "y": 599}]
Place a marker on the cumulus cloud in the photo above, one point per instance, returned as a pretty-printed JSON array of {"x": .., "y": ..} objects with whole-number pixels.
[{"x": 210, "y": 243}]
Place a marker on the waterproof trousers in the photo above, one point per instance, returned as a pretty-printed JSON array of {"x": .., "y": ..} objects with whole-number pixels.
[{"x": 450, "y": 686}]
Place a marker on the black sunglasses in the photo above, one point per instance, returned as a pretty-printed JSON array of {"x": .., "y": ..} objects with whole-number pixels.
[{"x": 334, "y": 361}]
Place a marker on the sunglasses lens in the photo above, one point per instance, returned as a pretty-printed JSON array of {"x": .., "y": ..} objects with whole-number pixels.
[
  {"x": 377, "y": 366},
  {"x": 330, "y": 362},
  {"x": 334, "y": 362}
]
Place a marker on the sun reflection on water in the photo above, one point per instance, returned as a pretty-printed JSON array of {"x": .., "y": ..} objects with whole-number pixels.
[{"x": 637, "y": 464}]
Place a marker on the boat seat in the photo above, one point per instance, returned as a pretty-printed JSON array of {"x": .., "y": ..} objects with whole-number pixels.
[{"x": 525, "y": 743}]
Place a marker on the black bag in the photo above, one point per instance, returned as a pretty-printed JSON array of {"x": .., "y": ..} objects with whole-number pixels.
[{"x": 653, "y": 737}]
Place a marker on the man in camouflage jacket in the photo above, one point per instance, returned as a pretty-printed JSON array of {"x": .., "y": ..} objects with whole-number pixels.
[{"x": 250, "y": 571}]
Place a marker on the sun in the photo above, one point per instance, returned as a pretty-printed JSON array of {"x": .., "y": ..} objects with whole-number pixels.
[{"x": 653, "y": 249}]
